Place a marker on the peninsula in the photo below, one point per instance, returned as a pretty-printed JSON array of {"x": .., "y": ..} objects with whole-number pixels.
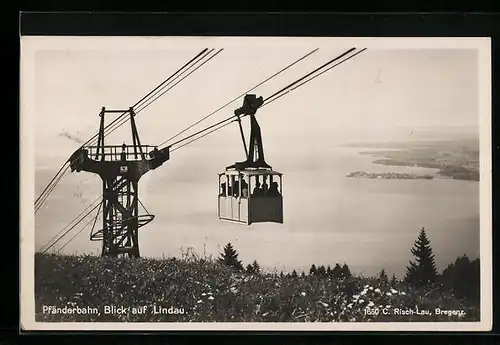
[
  {"x": 453, "y": 159},
  {"x": 390, "y": 176}
]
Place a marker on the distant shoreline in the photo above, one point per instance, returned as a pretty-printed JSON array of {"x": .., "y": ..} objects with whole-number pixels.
[
  {"x": 390, "y": 176},
  {"x": 458, "y": 160}
]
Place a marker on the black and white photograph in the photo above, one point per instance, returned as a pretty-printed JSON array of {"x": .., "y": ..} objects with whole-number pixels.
[{"x": 255, "y": 183}]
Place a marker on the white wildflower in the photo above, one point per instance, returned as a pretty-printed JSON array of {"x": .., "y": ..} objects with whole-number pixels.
[
  {"x": 211, "y": 297},
  {"x": 377, "y": 290},
  {"x": 349, "y": 305},
  {"x": 203, "y": 294},
  {"x": 366, "y": 286},
  {"x": 363, "y": 292},
  {"x": 370, "y": 288},
  {"x": 361, "y": 301},
  {"x": 199, "y": 301},
  {"x": 303, "y": 293},
  {"x": 403, "y": 293},
  {"x": 323, "y": 304},
  {"x": 388, "y": 306},
  {"x": 355, "y": 297},
  {"x": 370, "y": 304},
  {"x": 389, "y": 294},
  {"x": 394, "y": 291}
]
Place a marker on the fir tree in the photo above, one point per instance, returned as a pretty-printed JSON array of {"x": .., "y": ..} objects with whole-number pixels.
[
  {"x": 321, "y": 271},
  {"x": 463, "y": 270},
  {"x": 422, "y": 272},
  {"x": 303, "y": 274},
  {"x": 294, "y": 274},
  {"x": 383, "y": 278},
  {"x": 337, "y": 271},
  {"x": 256, "y": 267},
  {"x": 230, "y": 258},
  {"x": 329, "y": 271},
  {"x": 313, "y": 270},
  {"x": 249, "y": 269},
  {"x": 394, "y": 281},
  {"x": 345, "y": 272}
]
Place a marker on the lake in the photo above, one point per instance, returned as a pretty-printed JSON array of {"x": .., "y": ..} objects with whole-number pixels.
[{"x": 328, "y": 218}]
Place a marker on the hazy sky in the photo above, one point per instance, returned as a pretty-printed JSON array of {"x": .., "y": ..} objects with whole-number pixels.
[
  {"x": 382, "y": 94},
  {"x": 377, "y": 91}
]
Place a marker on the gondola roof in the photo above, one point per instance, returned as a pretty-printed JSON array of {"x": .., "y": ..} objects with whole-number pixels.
[{"x": 251, "y": 172}]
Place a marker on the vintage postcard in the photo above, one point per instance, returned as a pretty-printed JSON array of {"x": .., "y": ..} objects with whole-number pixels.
[{"x": 255, "y": 183}]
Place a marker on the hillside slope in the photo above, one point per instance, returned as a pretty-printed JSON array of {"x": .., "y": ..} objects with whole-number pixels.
[{"x": 199, "y": 290}]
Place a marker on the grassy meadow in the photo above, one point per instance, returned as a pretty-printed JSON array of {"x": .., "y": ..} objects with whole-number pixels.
[{"x": 193, "y": 289}]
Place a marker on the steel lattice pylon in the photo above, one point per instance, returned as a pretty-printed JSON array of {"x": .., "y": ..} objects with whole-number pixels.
[
  {"x": 120, "y": 217},
  {"x": 120, "y": 168}
]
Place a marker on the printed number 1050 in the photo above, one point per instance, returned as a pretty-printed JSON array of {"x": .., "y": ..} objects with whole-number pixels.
[{"x": 375, "y": 311}]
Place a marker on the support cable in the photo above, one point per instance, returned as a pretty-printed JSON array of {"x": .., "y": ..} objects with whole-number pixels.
[
  {"x": 124, "y": 120},
  {"x": 51, "y": 181},
  {"x": 221, "y": 124},
  {"x": 270, "y": 100},
  {"x": 239, "y": 96},
  {"x": 144, "y": 106},
  {"x": 67, "y": 231},
  {"x": 55, "y": 180},
  {"x": 151, "y": 92},
  {"x": 283, "y": 91},
  {"x": 71, "y": 222},
  {"x": 80, "y": 231},
  {"x": 51, "y": 186}
]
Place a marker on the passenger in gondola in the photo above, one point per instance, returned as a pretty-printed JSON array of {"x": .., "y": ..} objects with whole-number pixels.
[
  {"x": 223, "y": 189},
  {"x": 273, "y": 190},
  {"x": 236, "y": 189},
  {"x": 265, "y": 189},
  {"x": 244, "y": 188},
  {"x": 257, "y": 191}
]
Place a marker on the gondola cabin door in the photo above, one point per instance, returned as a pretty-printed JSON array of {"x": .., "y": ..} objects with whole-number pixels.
[{"x": 250, "y": 196}]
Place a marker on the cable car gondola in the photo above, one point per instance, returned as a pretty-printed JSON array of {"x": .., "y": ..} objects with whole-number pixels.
[{"x": 251, "y": 191}]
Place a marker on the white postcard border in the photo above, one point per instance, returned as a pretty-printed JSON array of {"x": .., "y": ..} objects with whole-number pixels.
[{"x": 31, "y": 44}]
